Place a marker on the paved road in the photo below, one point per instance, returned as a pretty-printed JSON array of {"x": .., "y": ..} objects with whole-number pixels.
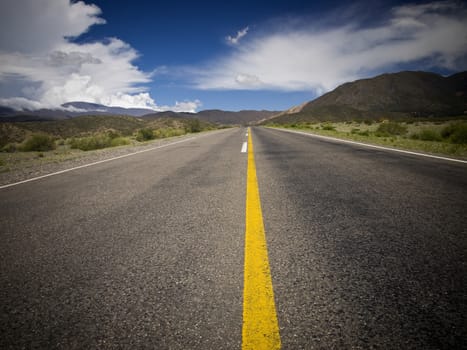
[{"x": 367, "y": 249}]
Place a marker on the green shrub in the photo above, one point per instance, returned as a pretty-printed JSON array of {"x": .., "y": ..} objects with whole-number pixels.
[
  {"x": 357, "y": 131},
  {"x": 98, "y": 141},
  {"x": 390, "y": 128},
  {"x": 328, "y": 127},
  {"x": 428, "y": 135},
  {"x": 91, "y": 142},
  {"x": 119, "y": 141},
  {"x": 39, "y": 143},
  {"x": 456, "y": 133},
  {"x": 447, "y": 131},
  {"x": 194, "y": 125},
  {"x": 460, "y": 135},
  {"x": 10, "y": 148},
  {"x": 145, "y": 134},
  {"x": 113, "y": 134},
  {"x": 169, "y": 132}
]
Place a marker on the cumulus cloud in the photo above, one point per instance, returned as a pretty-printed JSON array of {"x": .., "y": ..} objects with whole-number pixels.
[
  {"x": 31, "y": 26},
  {"x": 240, "y": 34},
  {"x": 39, "y": 58},
  {"x": 320, "y": 58}
]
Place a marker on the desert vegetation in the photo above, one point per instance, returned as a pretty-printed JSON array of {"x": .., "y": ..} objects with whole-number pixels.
[
  {"x": 52, "y": 141},
  {"x": 440, "y": 136},
  {"x": 92, "y": 132}
]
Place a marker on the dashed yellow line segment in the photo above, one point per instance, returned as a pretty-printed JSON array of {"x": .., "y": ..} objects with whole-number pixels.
[{"x": 260, "y": 327}]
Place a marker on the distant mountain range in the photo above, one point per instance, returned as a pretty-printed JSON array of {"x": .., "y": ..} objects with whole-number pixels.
[
  {"x": 218, "y": 116},
  {"x": 74, "y": 109},
  {"x": 396, "y": 95},
  {"x": 70, "y": 110},
  {"x": 86, "y": 108},
  {"x": 388, "y": 96}
]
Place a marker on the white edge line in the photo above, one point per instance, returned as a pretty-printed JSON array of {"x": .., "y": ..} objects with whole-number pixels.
[
  {"x": 244, "y": 147},
  {"x": 373, "y": 146},
  {"x": 100, "y": 161}
]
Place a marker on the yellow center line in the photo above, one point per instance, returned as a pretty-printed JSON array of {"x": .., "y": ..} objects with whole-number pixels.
[{"x": 260, "y": 326}]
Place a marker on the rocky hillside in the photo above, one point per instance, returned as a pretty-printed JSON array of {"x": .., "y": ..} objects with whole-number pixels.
[{"x": 397, "y": 95}]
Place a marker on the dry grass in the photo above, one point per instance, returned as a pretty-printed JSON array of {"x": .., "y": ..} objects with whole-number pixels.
[{"x": 418, "y": 136}]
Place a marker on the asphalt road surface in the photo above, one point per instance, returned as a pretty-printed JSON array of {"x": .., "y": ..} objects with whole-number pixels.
[{"x": 367, "y": 248}]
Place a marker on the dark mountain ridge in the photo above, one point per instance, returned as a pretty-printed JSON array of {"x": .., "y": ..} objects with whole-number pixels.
[{"x": 394, "y": 95}]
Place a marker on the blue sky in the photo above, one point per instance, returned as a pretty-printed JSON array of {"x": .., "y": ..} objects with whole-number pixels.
[{"x": 195, "y": 55}]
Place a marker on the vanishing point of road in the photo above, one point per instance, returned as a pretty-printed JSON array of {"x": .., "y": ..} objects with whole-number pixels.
[{"x": 228, "y": 241}]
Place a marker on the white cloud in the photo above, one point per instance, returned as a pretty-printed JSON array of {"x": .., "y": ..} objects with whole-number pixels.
[
  {"x": 184, "y": 106},
  {"x": 319, "y": 59},
  {"x": 32, "y": 26},
  {"x": 37, "y": 53},
  {"x": 240, "y": 34},
  {"x": 20, "y": 103},
  {"x": 247, "y": 80}
]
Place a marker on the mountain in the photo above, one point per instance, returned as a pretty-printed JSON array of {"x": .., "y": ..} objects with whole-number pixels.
[
  {"x": 6, "y": 111},
  {"x": 70, "y": 110},
  {"x": 74, "y": 109},
  {"x": 86, "y": 108},
  {"x": 395, "y": 95},
  {"x": 218, "y": 116},
  {"x": 168, "y": 114},
  {"x": 240, "y": 117}
]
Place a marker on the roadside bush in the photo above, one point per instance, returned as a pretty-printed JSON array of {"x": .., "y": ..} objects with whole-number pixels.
[
  {"x": 456, "y": 133},
  {"x": 390, "y": 129},
  {"x": 119, "y": 141},
  {"x": 168, "y": 132},
  {"x": 10, "y": 148},
  {"x": 113, "y": 134},
  {"x": 364, "y": 133},
  {"x": 195, "y": 126},
  {"x": 99, "y": 141},
  {"x": 91, "y": 142},
  {"x": 145, "y": 134},
  {"x": 328, "y": 127},
  {"x": 39, "y": 143},
  {"x": 427, "y": 135},
  {"x": 357, "y": 131}
]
